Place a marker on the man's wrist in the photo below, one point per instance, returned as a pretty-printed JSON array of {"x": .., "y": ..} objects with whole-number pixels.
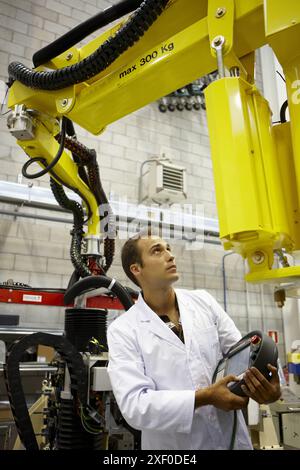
[{"x": 202, "y": 397}]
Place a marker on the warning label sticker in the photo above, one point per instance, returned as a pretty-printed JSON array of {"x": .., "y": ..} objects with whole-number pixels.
[{"x": 32, "y": 298}]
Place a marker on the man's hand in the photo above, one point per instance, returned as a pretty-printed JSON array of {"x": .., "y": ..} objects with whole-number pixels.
[
  {"x": 221, "y": 397},
  {"x": 259, "y": 388}
]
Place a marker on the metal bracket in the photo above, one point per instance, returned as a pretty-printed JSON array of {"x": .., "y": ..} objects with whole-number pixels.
[
  {"x": 220, "y": 18},
  {"x": 20, "y": 123},
  {"x": 65, "y": 105},
  {"x": 221, "y": 31},
  {"x": 218, "y": 45}
]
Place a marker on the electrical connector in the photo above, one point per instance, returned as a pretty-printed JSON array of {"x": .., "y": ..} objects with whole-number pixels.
[{"x": 92, "y": 413}]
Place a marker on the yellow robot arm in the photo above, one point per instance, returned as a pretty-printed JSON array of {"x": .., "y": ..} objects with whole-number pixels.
[{"x": 256, "y": 165}]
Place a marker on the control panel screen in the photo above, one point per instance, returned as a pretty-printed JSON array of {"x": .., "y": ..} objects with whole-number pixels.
[{"x": 238, "y": 363}]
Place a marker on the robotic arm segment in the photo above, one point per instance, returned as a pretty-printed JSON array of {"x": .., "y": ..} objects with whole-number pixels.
[{"x": 178, "y": 41}]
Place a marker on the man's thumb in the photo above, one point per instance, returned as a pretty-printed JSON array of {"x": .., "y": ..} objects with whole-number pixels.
[{"x": 230, "y": 378}]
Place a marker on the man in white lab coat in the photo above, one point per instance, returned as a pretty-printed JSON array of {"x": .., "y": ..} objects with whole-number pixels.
[{"x": 162, "y": 355}]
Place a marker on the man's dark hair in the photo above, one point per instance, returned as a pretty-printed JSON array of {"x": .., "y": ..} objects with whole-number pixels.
[{"x": 131, "y": 254}]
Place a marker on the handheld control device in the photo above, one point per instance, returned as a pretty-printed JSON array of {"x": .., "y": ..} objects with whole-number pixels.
[{"x": 256, "y": 349}]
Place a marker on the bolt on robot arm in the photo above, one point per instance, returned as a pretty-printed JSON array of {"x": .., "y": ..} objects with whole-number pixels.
[{"x": 161, "y": 47}]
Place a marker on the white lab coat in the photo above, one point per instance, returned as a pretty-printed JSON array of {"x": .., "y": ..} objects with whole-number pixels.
[{"x": 154, "y": 375}]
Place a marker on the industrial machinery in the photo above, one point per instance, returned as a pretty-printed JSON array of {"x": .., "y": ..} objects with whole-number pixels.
[
  {"x": 283, "y": 415},
  {"x": 190, "y": 97},
  {"x": 159, "y": 48}
]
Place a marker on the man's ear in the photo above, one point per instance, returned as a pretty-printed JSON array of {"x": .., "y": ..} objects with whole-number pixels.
[{"x": 135, "y": 268}]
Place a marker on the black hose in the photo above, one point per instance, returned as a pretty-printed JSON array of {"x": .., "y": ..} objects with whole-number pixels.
[
  {"x": 77, "y": 232},
  {"x": 75, "y": 253},
  {"x": 110, "y": 229},
  {"x": 109, "y": 251},
  {"x": 74, "y": 278},
  {"x": 88, "y": 158},
  {"x": 105, "y": 55},
  {"x": 233, "y": 435},
  {"x": 84, "y": 29},
  {"x": 43, "y": 160},
  {"x": 70, "y": 129},
  {"x": 76, "y": 367},
  {"x": 83, "y": 156},
  {"x": 283, "y": 110},
  {"x": 94, "y": 282},
  {"x": 66, "y": 203},
  {"x": 72, "y": 188}
]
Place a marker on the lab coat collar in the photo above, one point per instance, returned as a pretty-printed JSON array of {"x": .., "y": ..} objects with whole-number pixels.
[{"x": 151, "y": 320}]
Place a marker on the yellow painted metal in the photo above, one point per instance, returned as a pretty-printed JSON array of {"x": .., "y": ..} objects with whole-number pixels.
[
  {"x": 37, "y": 416},
  {"x": 249, "y": 189},
  {"x": 66, "y": 59},
  {"x": 274, "y": 276},
  {"x": 123, "y": 91},
  {"x": 294, "y": 357},
  {"x": 285, "y": 161},
  {"x": 40, "y": 100},
  {"x": 283, "y": 33},
  {"x": 281, "y": 17},
  {"x": 282, "y": 25},
  {"x": 256, "y": 168},
  {"x": 248, "y": 63},
  {"x": 120, "y": 89},
  {"x": 292, "y": 74},
  {"x": 176, "y": 49},
  {"x": 220, "y": 19},
  {"x": 45, "y": 145}
]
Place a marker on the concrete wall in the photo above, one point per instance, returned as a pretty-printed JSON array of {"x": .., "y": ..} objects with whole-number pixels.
[{"x": 36, "y": 252}]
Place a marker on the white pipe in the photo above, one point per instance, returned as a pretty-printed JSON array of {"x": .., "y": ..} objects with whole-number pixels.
[
  {"x": 247, "y": 299},
  {"x": 263, "y": 309}
]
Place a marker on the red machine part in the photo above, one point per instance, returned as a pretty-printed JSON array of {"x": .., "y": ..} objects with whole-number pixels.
[
  {"x": 54, "y": 298},
  {"x": 95, "y": 269},
  {"x": 255, "y": 339}
]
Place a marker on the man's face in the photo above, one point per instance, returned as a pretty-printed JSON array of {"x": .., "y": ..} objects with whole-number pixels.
[{"x": 159, "y": 268}]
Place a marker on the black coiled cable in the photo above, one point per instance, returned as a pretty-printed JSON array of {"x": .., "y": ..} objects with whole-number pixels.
[
  {"x": 96, "y": 185},
  {"x": 99, "y": 60},
  {"x": 66, "y": 203},
  {"x": 76, "y": 256},
  {"x": 43, "y": 160},
  {"x": 88, "y": 158}
]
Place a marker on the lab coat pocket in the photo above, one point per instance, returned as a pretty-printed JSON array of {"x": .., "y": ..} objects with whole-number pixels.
[{"x": 209, "y": 347}]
